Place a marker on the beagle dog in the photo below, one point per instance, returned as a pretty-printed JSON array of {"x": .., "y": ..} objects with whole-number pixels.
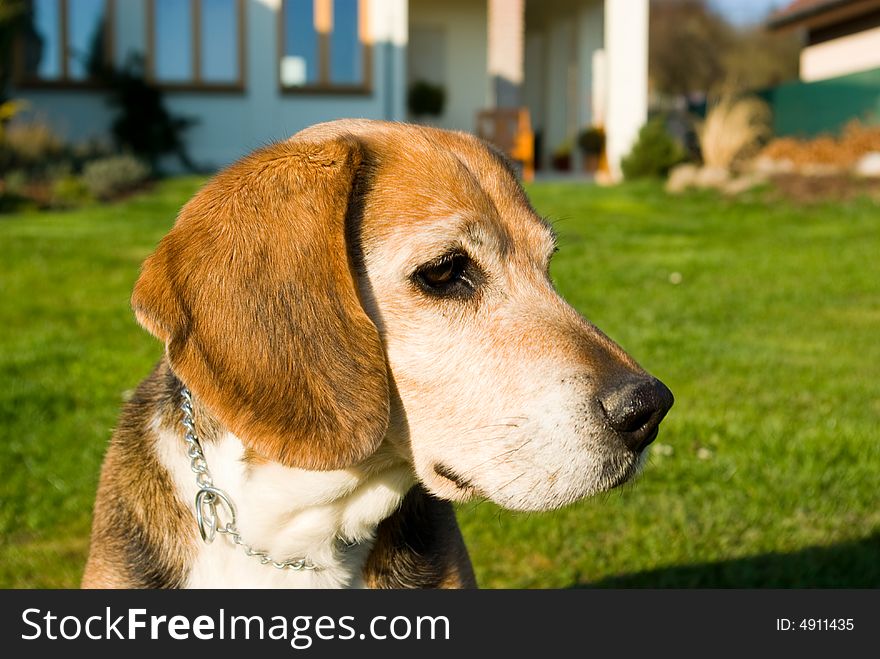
[{"x": 359, "y": 329}]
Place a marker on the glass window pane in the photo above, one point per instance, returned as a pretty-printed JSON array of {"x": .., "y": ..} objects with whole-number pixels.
[
  {"x": 299, "y": 62},
  {"x": 85, "y": 38},
  {"x": 43, "y": 47},
  {"x": 172, "y": 54},
  {"x": 346, "y": 50},
  {"x": 219, "y": 32}
]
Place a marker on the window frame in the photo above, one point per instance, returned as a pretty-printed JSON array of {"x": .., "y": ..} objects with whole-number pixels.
[
  {"x": 24, "y": 81},
  {"x": 324, "y": 86},
  {"x": 196, "y": 84}
]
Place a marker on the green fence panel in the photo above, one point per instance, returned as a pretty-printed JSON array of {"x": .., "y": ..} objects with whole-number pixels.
[{"x": 807, "y": 109}]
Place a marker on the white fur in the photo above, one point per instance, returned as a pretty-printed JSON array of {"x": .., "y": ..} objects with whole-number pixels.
[{"x": 291, "y": 513}]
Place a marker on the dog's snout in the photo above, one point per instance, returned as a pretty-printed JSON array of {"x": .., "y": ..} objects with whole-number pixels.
[{"x": 635, "y": 409}]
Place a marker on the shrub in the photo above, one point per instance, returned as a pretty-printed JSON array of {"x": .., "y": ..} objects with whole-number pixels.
[
  {"x": 108, "y": 178},
  {"x": 143, "y": 125},
  {"x": 69, "y": 191},
  {"x": 15, "y": 182},
  {"x": 734, "y": 129},
  {"x": 31, "y": 144},
  {"x": 654, "y": 153},
  {"x": 93, "y": 149},
  {"x": 12, "y": 15}
]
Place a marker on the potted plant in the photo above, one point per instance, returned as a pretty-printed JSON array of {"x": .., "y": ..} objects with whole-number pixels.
[
  {"x": 562, "y": 156},
  {"x": 591, "y": 142},
  {"x": 426, "y": 99}
]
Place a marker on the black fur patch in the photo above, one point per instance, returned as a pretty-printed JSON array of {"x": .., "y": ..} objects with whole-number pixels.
[
  {"x": 419, "y": 546},
  {"x": 145, "y": 565}
]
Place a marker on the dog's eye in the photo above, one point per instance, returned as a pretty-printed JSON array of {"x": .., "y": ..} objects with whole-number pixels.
[
  {"x": 442, "y": 273},
  {"x": 450, "y": 276}
]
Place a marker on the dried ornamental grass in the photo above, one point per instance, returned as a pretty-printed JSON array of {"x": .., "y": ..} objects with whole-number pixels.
[
  {"x": 32, "y": 142},
  {"x": 856, "y": 141},
  {"x": 734, "y": 129}
]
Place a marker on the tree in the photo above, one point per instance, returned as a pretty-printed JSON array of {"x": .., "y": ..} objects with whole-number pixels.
[
  {"x": 693, "y": 49},
  {"x": 762, "y": 59},
  {"x": 686, "y": 46},
  {"x": 11, "y": 14},
  {"x": 144, "y": 125}
]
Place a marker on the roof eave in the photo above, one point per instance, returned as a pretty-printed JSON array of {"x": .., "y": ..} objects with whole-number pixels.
[{"x": 795, "y": 18}]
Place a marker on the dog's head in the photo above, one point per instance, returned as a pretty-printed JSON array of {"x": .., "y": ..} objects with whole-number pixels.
[{"x": 367, "y": 282}]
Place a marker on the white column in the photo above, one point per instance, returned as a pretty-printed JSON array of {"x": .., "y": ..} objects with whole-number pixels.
[
  {"x": 626, "y": 48},
  {"x": 389, "y": 31},
  {"x": 506, "y": 37}
]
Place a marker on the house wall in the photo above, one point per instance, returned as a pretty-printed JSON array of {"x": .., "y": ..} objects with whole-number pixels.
[
  {"x": 231, "y": 124},
  {"x": 591, "y": 38},
  {"x": 841, "y": 56},
  {"x": 534, "y": 80},
  {"x": 559, "y": 71},
  {"x": 560, "y": 61},
  {"x": 463, "y": 24}
]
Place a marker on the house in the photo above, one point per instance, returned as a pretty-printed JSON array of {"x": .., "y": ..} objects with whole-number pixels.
[
  {"x": 253, "y": 71},
  {"x": 839, "y": 67},
  {"x": 840, "y": 36}
]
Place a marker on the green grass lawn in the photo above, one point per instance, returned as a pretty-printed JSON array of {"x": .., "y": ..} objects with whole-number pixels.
[{"x": 767, "y": 470}]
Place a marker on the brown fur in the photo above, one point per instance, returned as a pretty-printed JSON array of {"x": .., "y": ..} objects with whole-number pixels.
[
  {"x": 247, "y": 290},
  {"x": 142, "y": 535}
]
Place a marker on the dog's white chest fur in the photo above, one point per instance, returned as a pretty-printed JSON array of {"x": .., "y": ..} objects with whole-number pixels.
[{"x": 327, "y": 517}]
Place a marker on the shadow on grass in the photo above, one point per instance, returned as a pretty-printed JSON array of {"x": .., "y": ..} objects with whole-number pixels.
[{"x": 854, "y": 564}]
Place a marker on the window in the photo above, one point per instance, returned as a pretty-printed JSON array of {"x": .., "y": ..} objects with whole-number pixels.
[
  {"x": 324, "y": 46},
  {"x": 196, "y": 44},
  {"x": 65, "y": 42}
]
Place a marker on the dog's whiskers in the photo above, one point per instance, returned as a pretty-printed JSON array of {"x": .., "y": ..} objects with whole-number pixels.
[
  {"x": 507, "y": 422},
  {"x": 512, "y": 480},
  {"x": 505, "y": 455}
]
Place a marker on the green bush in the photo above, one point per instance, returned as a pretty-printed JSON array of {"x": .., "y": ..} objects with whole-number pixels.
[
  {"x": 143, "y": 125},
  {"x": 69, "y": 191},
  {"x": 654, "y": 153},
  {"x": 15, "y": 182},
  {"x": 109, "y": 178},
  {"x": 85, "y": 152},
  {"x": 13, "y": 191}
]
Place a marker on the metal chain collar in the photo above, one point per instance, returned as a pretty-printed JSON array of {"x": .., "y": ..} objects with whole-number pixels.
[{"x": 212, "y": 502}]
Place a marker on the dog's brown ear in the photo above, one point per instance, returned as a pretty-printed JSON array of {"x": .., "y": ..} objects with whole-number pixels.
[{"x": 254, "y": 294}]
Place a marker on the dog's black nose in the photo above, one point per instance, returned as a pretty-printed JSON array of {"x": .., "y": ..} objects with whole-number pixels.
[{"x": 635, "y": 408}]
